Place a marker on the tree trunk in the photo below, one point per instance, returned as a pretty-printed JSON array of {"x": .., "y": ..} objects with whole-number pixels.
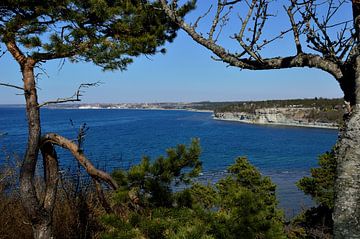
[
  {"x": 347, "y": 186},
  {"x": 39, "y": 217},
  {"x": 42, "y": 230}
]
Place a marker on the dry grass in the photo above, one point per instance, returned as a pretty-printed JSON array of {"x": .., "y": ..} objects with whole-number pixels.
[{"x": 76, "y": 214}]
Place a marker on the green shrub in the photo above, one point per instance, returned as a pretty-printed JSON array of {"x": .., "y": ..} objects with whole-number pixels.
[
  {"x": 317, "y": 221},
  {"x": 320, "y": 186},
  {"x": 160, "y": 199}
]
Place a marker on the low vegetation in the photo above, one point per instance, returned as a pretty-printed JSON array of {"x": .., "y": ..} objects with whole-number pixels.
[
  {"x": 76, "y": 213},
  {"x": 317, "y": 221},
  {"x": 161, "y": 198}
]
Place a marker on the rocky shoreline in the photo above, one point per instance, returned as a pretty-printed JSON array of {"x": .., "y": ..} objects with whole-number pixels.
[
  {"x": 292, "y": 115},
  {"x": 299, "y": 117}
]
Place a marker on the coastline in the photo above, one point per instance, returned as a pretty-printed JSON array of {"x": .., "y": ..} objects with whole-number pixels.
[
  {"x": 279, "y": 124},
  {"x": 130, "y": 108},
  {"x": 214, "y": 117}
]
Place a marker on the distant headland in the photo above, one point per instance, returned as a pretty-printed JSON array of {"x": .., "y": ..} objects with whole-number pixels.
[{"x": 317, "y": 112}]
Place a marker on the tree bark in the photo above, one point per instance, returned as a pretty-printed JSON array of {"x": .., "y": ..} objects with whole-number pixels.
[
  {"x": 39, "y": 217},
  {"x": 347, "y": 185},
  {"x": 42, "y": 230},
  {"x": 38, "y": 211}
]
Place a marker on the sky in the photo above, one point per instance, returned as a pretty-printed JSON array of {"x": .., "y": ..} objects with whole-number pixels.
[{"x": 186, "y": 73}]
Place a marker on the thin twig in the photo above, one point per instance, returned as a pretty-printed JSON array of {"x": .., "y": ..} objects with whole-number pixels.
[
  {"x": 216, "y": 19},
  {"x": 200, "y": 17},
  {"x": 12, "y": 86},
  {"x": 294, "y": 26},
  {"x": 75, "y": 97},
  {"x": 3, "y": 53}
]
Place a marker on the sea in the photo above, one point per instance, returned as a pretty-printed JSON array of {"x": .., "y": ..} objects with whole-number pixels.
[{"x": 119, "y": 138}]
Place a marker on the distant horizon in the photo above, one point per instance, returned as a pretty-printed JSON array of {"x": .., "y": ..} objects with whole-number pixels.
[{"x": 181, "y": 102}]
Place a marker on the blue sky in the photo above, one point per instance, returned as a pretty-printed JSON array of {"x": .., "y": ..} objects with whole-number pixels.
[{"x": 186, "y": 73}]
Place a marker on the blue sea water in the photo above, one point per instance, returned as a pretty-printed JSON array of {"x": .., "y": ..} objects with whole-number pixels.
[{"x": 119, "y": 138}]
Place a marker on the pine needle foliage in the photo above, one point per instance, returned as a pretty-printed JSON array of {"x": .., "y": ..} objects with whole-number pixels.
[
  {"x": 317, "y": 222},
  {"x": 320, "y": 186},
  {"x": 162, "y": 199},
  {"x": 109, "y": 33}
]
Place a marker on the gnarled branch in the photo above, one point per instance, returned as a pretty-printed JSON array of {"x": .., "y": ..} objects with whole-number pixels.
[
  {"x": 299, "y": 60},
  {"x": 80, "y": 157}
]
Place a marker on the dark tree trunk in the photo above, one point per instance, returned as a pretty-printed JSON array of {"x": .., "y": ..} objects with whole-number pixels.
[
  {"x": 40, "y": 218},
  {"x": 347, "y": 186}
]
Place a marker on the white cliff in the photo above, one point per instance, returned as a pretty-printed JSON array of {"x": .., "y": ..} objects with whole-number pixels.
[{"x": 277, "y": 116}]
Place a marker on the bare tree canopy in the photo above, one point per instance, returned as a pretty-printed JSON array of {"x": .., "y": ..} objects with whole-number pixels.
[
  {"x": 322, "y": 36},
  {"x": 325, "y": 35}
]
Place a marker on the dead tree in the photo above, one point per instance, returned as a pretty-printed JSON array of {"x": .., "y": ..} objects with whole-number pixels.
[{"x": 322, "y": 38}]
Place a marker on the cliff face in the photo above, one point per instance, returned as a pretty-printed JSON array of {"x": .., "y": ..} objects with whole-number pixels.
[{"x": 278, "y": 116}]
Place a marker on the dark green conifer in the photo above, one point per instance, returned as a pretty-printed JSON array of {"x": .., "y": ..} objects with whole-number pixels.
[{"x": 150, "y": 205}]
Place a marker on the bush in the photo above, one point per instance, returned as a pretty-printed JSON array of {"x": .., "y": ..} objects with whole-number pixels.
[
  {"x": 320, "y": 186},
  {"x": 160, "y": 199},
  {"x": 317, "y": 221}
]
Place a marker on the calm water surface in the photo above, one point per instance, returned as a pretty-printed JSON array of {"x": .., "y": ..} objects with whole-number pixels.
[{"x": 119, "y": 138}]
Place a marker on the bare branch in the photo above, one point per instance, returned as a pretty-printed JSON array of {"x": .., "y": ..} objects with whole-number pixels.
[
  {"x": 215, "y": 22},
  {"x": 317, "y": 28},
  {"x": 299, "y": 60},
  {"x": 75, "y": 97},
  {"x": 3, "y": 53},
  {"x": 244, "y": 24},
  {"x": 43, "y": 71},
  {"x": 11, "y": 86},
  {"x": 223, "y": 21},
  {"x": 80, "y": 157},
  {"x": 231, "y": 2},
  {"x": 201, "y": 17},
  {"x": 294, "y": 27},
  {"x": 281, "y": 35}
]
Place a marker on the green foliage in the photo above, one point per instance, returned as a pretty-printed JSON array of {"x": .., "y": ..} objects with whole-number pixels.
[
  {"x": 247, "y": 205},
  {"x": 320, "y": 186},
  {"x": 107, "y": 32},
  {"x": 317, "y": 222},
  {"x": 241, "y": 205},
  {"x": 151, "y": 183}
]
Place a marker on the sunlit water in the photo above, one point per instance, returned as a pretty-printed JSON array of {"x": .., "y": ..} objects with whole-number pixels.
[{"x": 119, "y": 138}]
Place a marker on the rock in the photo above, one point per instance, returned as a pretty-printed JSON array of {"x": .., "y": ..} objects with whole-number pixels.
[{"x": 277, "y": 116}]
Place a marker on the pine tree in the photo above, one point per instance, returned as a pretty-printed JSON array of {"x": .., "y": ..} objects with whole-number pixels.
[
  {"x": 109, "y": 33},
  {"x": 162, "y": 199}
]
